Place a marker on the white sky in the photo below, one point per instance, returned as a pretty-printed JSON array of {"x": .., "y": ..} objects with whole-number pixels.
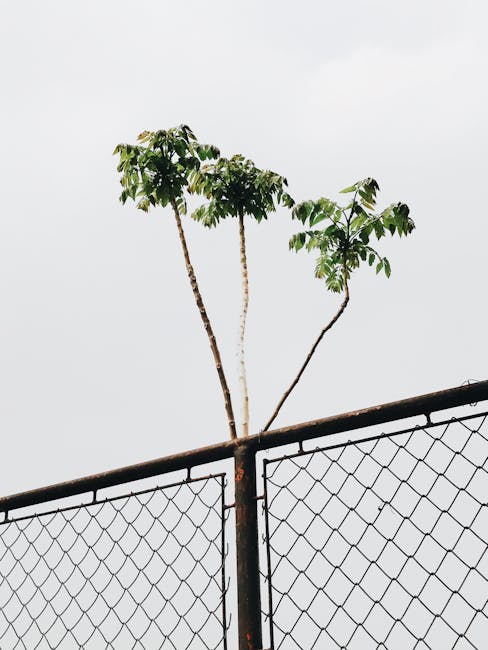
[{"x": 103, "y": 359}]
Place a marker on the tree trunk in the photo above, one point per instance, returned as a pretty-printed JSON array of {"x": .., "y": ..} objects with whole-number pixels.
[
  {"x": 206, "y": 324},
  {"x": 242, "y": 329},
  {"x": 309, "y": 356}
]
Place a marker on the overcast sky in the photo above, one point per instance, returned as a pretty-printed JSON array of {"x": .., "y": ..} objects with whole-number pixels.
[{"x": 103, "y": 359}]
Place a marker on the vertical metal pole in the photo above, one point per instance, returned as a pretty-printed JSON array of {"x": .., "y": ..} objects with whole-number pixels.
[
  {"x": 268, "y": 555},
  {"x": 223, "y": 556},
  {"x": 247, "y": 550}
]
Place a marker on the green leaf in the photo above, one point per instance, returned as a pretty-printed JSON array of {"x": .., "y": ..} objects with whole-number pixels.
[
  {"x": 302, "y": 211},
  {"x": 348, "y": 190},
  {"x": 379, "y": 229},
  {"x": 144, "y": 204},
  {"x": 317, "y": 217},
  {"x": 297, "y": 241},
  {"x": 364, "y": 236},
  {"x": 287, "y": 200}
]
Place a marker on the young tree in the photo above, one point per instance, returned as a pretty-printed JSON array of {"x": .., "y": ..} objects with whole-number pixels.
[
  {"x": 343, "y": 244},
  {"x": 236, "y": 187},
  {"x": 155, "y": 173}
]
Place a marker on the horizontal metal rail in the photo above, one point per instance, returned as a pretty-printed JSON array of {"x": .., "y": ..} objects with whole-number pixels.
[
  {"x": 420, "y": 405},
  {"x": 98, "y": 502}
]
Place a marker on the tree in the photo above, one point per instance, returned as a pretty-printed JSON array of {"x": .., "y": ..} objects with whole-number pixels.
[
  {"x": 155, "y": 173},
  {"x": 235, "y": 187},
  {"x": 343, "y": 244}
]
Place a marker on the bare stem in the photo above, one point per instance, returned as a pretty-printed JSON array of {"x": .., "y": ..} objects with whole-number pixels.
[
  {"x": 242, "y": 329},
  {"x": 329, "y": 325},
  {"x": 206, "y": 324}
]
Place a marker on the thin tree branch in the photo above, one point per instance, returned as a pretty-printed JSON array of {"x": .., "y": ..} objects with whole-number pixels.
[
  {"x": 242, "y": 328},
  {"x": 329, "y": 325},
  {"x": 206, "y": 323}
]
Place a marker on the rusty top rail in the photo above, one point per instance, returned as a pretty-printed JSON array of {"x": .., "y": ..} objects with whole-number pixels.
[{"x": 420, "y": 405}]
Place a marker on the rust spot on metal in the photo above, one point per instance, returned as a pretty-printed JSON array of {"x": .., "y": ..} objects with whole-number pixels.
[{"x": 239, "y": 473}]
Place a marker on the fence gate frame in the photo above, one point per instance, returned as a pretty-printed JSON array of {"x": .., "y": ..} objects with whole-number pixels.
[{"x": 244, "y": 451}]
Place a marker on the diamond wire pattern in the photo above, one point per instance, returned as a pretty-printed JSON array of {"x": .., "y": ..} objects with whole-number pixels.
[
  {"x": 140, "y": 571},
  {"x": 382, "y": 543}
]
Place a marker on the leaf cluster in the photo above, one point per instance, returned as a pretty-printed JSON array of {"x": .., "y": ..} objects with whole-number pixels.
[
  {"x": 345, "y": 240},
  {"x": 235, "y": 186},
  {"x": 156, "y": 171}
]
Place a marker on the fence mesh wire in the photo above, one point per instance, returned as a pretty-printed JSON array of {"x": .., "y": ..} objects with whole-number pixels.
[
  {"x": 145, "y": 570},
  {"x": 381, "y": 543}
]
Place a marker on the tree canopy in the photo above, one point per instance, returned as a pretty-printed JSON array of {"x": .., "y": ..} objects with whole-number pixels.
[
  {"x": 235, "y": 186},
  {"x": 156, "y": 171},
  {"x": 345, "y": 241}
]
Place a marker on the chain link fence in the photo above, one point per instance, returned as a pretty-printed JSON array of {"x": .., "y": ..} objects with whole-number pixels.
[
  {"x": 143, "y": 570},
  {"x": 377, "y": 542},
  {"x": 381, "y": 542}
]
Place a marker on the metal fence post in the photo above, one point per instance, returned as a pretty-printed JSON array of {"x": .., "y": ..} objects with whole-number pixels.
[{"x": 247, "y": 551}]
